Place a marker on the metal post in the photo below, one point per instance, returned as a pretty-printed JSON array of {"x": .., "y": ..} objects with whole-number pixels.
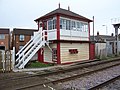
[
  {"x": 93, "y": 29},
  {"x": 116, "y": 26}
]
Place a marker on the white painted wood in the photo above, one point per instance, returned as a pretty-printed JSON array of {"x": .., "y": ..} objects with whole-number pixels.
[
  {"x": 83, "y": 52},
  {"x": 30, "y": 49},
  {"x": 52, "y": 34},
  {"x": 48, "y": 53},
  {"x": 74, "y": 34},
  {"x": 13, "y": 58}
]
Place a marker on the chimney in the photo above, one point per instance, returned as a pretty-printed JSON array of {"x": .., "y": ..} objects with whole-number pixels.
[
  {"x": 97, "y": 33},
  {"x": 59, "y": 5},
  {"x": 68, "y": 8},
  {"x": 112, "y": 34}
]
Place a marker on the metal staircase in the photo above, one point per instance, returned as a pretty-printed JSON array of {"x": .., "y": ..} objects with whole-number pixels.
[{"x": 30, "y": 49}]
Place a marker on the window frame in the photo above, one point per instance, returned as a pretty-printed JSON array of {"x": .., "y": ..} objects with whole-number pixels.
[
  {"x": 23, "y": 38},
  {"x": 2, "y": 36}
]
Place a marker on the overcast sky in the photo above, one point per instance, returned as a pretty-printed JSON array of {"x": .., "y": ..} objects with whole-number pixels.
[{"x": 22, "y": 13}]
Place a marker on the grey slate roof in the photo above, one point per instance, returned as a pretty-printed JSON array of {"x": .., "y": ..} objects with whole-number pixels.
[
  {"x": 18, "y": 31},
  {"x": 64, "y": 12},
  {"x": 4, "y": 31}
]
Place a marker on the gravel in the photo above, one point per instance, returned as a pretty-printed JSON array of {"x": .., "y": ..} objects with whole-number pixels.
[
  {"x": 86, "y": 82},
  {"x": 113, "y": 86}
]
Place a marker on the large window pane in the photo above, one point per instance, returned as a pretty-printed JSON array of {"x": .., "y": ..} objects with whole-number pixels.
[
  {"x": 73, "y": 25},
  {"x": 62, "y": 24},
  {"x": 49, "y": 24},
  {"x": 67, "y": 24},
  {"x": 78, "y": 26},
  {"x": 82, "y": 27},
  {"x": 54, "y": 24}
]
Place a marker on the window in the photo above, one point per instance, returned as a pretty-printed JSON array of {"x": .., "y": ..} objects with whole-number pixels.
[
  {"x": 62, "y": 24},
  {"x": 20, "y": 47},
  {"x": 22, "y": 38},
  {"x": 54, "y": 54},
  {"x": 86, "y": 27},
  {"x": 78, "y": 26},
  {"x": 49, "y": 24},
  {"x": 2, "y": 36},
  {"x": 82, "y": 27},
  {"x": 54, "y": 23},
  {"x": 73, "y": 25},
  {"x": 67, "y": 24}
]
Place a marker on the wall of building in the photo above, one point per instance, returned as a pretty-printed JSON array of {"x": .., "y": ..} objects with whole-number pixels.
[
  {"x": 83, "y": 52},
  {"x": 5, "y": 42},
  {"x": 48, "y": 54},
  {"x": 18, "y": 43}
]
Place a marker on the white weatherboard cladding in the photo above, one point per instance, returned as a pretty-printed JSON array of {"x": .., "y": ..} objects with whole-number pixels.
[
  {"x": 83, "y": 52},
  {"x": 48, "y": 53}
]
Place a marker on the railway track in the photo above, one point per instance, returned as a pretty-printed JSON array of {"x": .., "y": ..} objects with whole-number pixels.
[
  {"x": 62, "y": 70},
  {"x": 97, "y": 87},
  {"x": 66, "y": 74},
  {"x": 67, "y": 77}
]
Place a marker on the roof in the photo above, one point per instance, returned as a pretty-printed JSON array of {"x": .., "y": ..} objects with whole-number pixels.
[
  {"x": 4, "y": 31},
  {"x": 19, "y": 31},
  {"x": 64, "y": 12},
  {"x": 103, "y": 38}
]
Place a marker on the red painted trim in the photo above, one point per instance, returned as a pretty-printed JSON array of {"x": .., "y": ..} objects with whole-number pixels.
[
  {"x": 58, "y": 27},
  {"x": 92, "y": 51},
  {"x": 58, "y": 53},
  {"x": 58, "y": 38},
  {"x": 38, "y": 25},
  {"x": 69, "y": 62},
  {"x": 68, "y": 16},
  {"x": 89, "y": 30},
  {"x": 68, "y": 41},
  {"x": 40, "y": 55},
  {"x": 48, "y": 62}
]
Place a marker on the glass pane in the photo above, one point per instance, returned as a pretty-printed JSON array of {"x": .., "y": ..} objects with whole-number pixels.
[{"x": 2, "y": 36}]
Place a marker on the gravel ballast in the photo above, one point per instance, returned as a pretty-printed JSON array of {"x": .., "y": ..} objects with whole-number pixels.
[{"x": 84, "y": 83}]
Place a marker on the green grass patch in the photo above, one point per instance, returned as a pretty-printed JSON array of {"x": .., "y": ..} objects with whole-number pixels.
[{"x": 38, "y": 65}]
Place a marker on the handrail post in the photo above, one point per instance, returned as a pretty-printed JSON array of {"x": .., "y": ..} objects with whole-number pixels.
[{"x": 13, "y": 58}]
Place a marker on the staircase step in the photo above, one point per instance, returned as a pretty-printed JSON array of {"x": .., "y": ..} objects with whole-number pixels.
[{"x": 28, "y": 51}]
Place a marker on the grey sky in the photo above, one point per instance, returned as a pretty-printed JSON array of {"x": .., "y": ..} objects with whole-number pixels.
[{"x": 22, "y": 13}]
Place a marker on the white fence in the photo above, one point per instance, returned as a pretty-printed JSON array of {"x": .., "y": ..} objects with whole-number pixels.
[{"x": 106, "y": 49}]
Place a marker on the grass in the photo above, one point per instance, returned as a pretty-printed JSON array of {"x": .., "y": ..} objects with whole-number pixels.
[{"x": 37, "y": 64}]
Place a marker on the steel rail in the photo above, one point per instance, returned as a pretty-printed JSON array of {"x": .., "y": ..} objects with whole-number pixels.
[{"x": 68, "y": 78}]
